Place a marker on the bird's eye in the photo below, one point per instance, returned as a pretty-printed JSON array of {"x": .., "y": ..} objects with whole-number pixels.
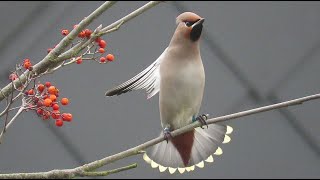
[{"x": 188, "y": 23}]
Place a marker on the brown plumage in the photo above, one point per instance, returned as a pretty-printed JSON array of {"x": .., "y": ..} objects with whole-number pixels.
[{"x": 178, "y": 75}]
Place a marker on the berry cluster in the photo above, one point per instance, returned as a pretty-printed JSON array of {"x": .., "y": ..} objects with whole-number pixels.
[
  {"x": 101, "y": 45},
  {"x": 44, "y": 100}
]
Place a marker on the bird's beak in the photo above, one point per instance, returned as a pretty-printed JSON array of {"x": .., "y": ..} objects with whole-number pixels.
[
  {"x": 200, "y": 22},
  {"x": 196, "y": 30}
]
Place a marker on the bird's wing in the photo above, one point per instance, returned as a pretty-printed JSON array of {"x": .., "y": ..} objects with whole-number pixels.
[{"x": 148, "y": 79}]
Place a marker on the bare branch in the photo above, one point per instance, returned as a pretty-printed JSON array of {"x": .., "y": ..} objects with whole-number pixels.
[
  {"x": 81, "y": 171},
  {"x": 7, "y": 124}
]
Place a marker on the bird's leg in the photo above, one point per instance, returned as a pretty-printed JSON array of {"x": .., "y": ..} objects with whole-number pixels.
[
  {"x": 202, "y": 119},
  {"x": 167, "y": 134}
]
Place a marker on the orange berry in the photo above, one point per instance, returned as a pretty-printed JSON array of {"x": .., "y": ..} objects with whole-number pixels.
[
  {"x": 98, "y": 39},
  {"x": 101, "y": 50},
  {"x": 48, "y": 84},
  {"x": 52, "y": 90},
  {"x": 30, "y": 92},
  {"x": 53, "y": 97},
  {"x": 110, "y": 57},
  {"x": 102, "y": 43},
  {"x": 82, "y": 34},
  {"x": 67, "y": 117},
  {"x": 13, "y": 76},
  {"x": 55, "y": 107},
  {"x": 39, "y": 111},
  {"x": 103, "y": 59},
  {"x": 87, "y": 33},
  {"x": 64, "y": 101},
  {"x": 65, "y": 32},
  {"x": 40, "y": 87},
  {"x": 47, "y": 102},
  {"x": 55, "y": 114},
  {"x": 39, "y": 104},
  {"x": 59, "y": 123},
  {"x": 79, "y": 60},
  {"x": 46, "y": 115},
  {"x": 27, "y": 64}
]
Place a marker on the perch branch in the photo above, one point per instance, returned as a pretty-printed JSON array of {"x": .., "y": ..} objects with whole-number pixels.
[{"x": 81, "y": 171}]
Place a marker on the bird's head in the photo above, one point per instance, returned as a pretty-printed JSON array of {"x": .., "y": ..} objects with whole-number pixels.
[{"x": 189, "y": 25}]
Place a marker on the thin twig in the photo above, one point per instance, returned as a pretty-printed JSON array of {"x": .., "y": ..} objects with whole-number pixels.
[
  {"x": 10, "y": 122},
  {"x": 70, "y": 173}
]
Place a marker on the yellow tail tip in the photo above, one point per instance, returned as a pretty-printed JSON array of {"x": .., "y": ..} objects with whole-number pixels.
[
  {"x": 229, "y": 130},
  {"x": 227, "y": 139},
  {"x": 218, "y": 152}
]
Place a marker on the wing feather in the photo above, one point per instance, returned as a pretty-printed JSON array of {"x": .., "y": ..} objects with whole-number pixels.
[{"x": 148, "y": 79}]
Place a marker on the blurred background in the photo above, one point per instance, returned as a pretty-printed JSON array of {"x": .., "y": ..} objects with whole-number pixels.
[{"x": 255, "y": 54}]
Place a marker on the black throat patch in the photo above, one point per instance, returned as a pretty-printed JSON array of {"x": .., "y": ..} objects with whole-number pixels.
[{"x": 196, "y": 32}]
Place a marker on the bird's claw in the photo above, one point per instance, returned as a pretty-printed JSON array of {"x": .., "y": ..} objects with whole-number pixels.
[
  {"x": 167, "y": 134},
  {"x": 202, "y": 119}
]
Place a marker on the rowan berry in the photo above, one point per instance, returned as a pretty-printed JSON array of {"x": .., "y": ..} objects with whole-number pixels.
[
  {"x": 88, "y": 33},
  {"x": 55, "y": 114},
  {"x": 101, "y": 50},
  {"x": 53, "y": 97},
  {"x": 40, "y": 111},
  {"x": 27, "y": 64},
  {"x": 59, "y": 122},
  {"x": 46, "y": 115},
  {"x": 41, "y": 88},
  {"x": 30, "y": 92},
  {"x": 48, "y": 84},
  {"x": 47, "y": 102},
  {"x": 55, "y": 107},
  {"x": 103, "y": 59},
  {"x": 67, "y": 117},
  {"x": 79, "y": 60},
  {"x": 82, "y": 34},
  {"x": 64, "y": 101},
  {"x": 102, "y": 43},
  {"x": 110, "y": 57},
  {"x": 13, "y": 76},
  {"x": 52, "y": 90},
  {"x": 65, "y": 32}
]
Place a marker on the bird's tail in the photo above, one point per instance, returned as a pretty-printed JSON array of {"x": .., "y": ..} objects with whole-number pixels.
[{"x": 188, "y": 150}]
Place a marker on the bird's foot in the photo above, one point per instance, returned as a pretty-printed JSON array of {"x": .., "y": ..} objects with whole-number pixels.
[
  {"x": 167, "y": 134},
  {"x": 202, "y": 119}
]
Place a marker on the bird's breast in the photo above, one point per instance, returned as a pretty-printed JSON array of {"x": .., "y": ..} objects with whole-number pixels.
[{"x": 181, "y": 91}]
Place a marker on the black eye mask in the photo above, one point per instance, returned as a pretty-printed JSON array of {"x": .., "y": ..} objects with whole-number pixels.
[{"x": 196, "y": 32}]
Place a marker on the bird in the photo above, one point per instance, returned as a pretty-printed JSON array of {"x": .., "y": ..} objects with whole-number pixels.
[{"x": 179, "y": 77}]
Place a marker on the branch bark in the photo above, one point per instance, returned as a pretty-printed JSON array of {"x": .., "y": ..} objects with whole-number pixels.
[{"x": 82, "y": 170}]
